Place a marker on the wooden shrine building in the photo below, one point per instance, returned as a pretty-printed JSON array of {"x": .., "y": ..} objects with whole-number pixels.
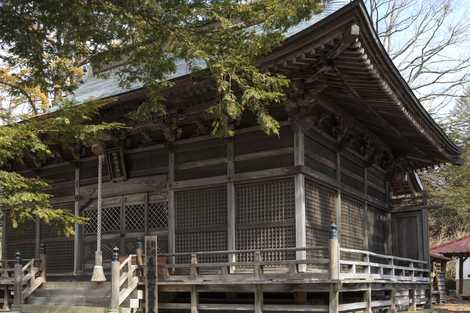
[{"x": 244, "y": 223}]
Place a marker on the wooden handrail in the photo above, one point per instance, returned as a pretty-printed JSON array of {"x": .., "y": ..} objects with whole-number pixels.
[
  {"x": 324, "y": 248},
  {"x": 370, "y": 253}
]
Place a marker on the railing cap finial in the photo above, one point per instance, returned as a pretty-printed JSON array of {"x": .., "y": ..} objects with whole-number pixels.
[
  {"x": 333, "y": 231},
  {"x": 115, "y": 253}
]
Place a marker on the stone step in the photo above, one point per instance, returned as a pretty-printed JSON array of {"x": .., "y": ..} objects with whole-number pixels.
[
  {"x": 75, "y": 284},
  {"x": 71, "y": 293},
  {"x": 36, "y": 308}
]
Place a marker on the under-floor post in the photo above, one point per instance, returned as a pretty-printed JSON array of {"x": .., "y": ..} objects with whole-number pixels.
[
  {"x": 368, "y": 298},
  {"x": 393, "y": 307},
  {"x": 259, "y": 299},
  {"x": 334, "y": 298},
  {"x": 194, "y": 299},
  {"x": 413, "y": 299}
]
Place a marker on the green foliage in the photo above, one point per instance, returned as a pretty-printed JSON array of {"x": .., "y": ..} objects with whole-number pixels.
[
  {"x": 449, "y": 186},
  {"x": 23, "y": 199},
  {"x": 45, "y": 43},
  {"x": 26, "y": 198},
  {"x": 145, "y": 40}
]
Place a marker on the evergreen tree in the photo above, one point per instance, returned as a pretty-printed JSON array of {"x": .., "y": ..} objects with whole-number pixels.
[{"x": 44, "y": 45}]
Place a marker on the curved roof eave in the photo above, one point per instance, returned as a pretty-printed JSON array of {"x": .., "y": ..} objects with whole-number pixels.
[{"x": 357, "y": 12}]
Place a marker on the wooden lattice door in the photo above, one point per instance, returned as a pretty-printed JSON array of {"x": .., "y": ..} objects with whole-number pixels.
[{"x": 125, "y": 220}]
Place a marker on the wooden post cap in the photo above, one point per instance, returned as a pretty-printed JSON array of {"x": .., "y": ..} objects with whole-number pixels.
[
  {"x": 333, "y": 231},
  {"x": 98, "y": 148},
  {"x": 115, "y": 253},
  {"x": 18, "y": 257}
]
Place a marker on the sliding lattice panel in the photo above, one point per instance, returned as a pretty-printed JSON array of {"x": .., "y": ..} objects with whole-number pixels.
[
  {"x": 201, "y": 222},
  {"x": 320, "y": 206},
  {"x": 124, "y": 221},
  {"x": 265, "y": 218},
  {"x": 378, "y": 230}
]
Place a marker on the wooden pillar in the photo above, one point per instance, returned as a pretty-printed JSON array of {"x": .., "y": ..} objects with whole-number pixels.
[
  {"x": 231, "y": 227},
  {"x": 171, "y": 200},
  {"x": 338, "y": 195},
  {"x": 389, "y": 219},
  {"x": 366, "y": 210},
  {"x": 37, "y": 243},
  {"x": 194, "y": 299},
  {"x": 76, "y": 238},
  {"x": 300, "y": 213},
  {"x": 259, "y": 300},
  {"x": 461, "y": 278}
]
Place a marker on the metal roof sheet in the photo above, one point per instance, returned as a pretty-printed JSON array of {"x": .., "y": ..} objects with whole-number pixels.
[
  {"x": 458, "y": 246},
  {"x": 94, "y": 88}
]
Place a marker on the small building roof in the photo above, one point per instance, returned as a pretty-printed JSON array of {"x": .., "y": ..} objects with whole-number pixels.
[{"x": 454, "y": 248}]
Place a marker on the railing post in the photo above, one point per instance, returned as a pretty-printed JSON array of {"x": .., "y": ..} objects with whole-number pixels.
[
  {"x": 194, "y": 272},
  {"x": 334, "y": 253},
  {"x": 115, "y": 280},
  {"x": 334, "y": 268},
  {"x": 18, "y": 280},
  {"x": 258, "y": 268},
  {"x": 43, "y": 259}
]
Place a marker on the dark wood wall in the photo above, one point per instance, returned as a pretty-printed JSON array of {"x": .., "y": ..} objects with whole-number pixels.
[{"x": 215, "y": 194}]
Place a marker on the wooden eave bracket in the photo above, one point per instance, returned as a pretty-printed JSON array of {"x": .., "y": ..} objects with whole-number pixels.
[{"x": 350, "y": 36}]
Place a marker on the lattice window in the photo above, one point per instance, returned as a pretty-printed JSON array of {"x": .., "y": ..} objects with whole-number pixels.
[
  {"x": 111, "y": 219},
  {"x": 198, "y": 208},
  {"x": 320, "y": 212},
  {"x": 266, "y": 216},
  {"x": 91, "y": 225},
  {"x": 201, "y": 221},
  {"x": 158, "y": 215},
  {"x": 135, "y": 217},
  {"x": 352, "y": 223}
]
